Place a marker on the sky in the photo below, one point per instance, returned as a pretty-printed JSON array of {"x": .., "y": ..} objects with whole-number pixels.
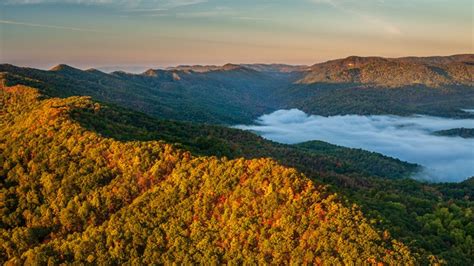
[
  {"x": 407, "y": 138},
  {"x": 159, "y": 33}
]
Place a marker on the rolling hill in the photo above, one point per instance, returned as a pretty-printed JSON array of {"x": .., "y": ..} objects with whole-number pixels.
[
  {"x": 237, "y": 94},
  {"x": 70, "y": 136},
  {"x": 395, "y": 72},
  {"x": 81, "y": 175},
  {"x": 225, "y": 97},
  {"x": 71, "y": 195}
]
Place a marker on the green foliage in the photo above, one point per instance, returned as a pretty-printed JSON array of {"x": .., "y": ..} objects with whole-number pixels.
[
  {"x": 339, "y": 99},
  {"x": 455, "y": 225},
  {"x": 371, "y": 163},
  {"x": 396, "y": 204},
  {"x": 69, "y": 195},
  {"x": 123, "y": 124},
  {"x": 70, "y": 166},
  {"x": 239, "y": 94},
  {"x": 219, "y": 97},
  {"x": 460, "y": 132}
]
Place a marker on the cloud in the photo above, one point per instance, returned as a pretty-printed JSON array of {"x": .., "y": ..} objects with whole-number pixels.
[
  {"x": 180, "y": 3},
  {"x": 147, "y": 9},
  {"x": 128, "y": 8},
  {"x": 343, "y": 6},
  {"x": 11, "y": 22},
  {"x": 79, "y": 2},
  {"x": 221, "y": 13},
  {"x": 406, "y": 138},
  {"x": 202, "y": 14},
  {"x": 128, "y": 4}
]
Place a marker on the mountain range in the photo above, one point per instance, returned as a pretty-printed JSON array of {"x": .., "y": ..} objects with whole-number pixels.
[
  {"x": 117, "y": 168},
  {"x": 233, "y": 94},
  {"x": 395, "y": 72}
]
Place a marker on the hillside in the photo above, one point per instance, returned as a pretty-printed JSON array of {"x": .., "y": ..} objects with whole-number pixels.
[
  {"x": 206, "y": 140},
  {"x": 238, "y": 94},
  {"x": 282, "y": 68},
  {"x": 70, "y": 195},
  {"x": 218, "y": 97},
  {"x": 457, "y": 132},
  {"x": 402, "y": 206},
  {"x": 341, "y": 99},
  {"x": 85, "y": 150},
  {"x": 395, "y": 72}
]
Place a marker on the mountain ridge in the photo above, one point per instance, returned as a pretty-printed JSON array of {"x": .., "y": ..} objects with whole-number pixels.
[
  {"x": 238, "y": 94},
  {"x": 105, "y": 147},
  {"x": 79, "y": 197},
  {"x": 394, "y": 72},
  {"x": 469, "y": 58}
]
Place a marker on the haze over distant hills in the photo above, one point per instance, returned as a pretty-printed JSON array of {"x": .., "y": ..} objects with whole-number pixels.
[
  {"x": 431, "y": 71},
  {"x": 258, "y": 67}
]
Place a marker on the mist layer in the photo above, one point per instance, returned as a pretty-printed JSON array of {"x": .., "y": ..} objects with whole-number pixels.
[{"x": 445, "y": 159}]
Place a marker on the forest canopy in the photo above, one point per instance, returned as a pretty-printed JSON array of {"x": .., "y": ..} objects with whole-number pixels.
[
  {"x": 70, "y": 195},
  {"x": 90, "y": 182}
]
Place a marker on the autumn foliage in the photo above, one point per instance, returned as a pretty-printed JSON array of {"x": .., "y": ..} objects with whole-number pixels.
[{"x": 68, "y": 195}]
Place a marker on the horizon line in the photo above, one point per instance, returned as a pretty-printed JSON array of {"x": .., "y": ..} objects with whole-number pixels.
[{"x": 167, "y": 66}]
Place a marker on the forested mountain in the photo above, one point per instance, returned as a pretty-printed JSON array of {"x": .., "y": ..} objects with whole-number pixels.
[
  {"x": 71, "y": 195},
  {"x": 340, "y": 99},
  {"x": 231, "y": 96},
  {"x": 257, "y": 67},
  {"x": 113, "y": 173},
  {"x": 437, "y": 86},
  {"x": 395, "y": 72},
  {"x": 433, "y": 60},
  {"x": 457, "y": 132},
  {"x": 404, "y": 207},
  {"x": 237, "y": 94},
  {"x": 96, "y": 183}
]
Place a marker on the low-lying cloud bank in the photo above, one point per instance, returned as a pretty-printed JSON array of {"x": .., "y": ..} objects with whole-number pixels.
[{"x": 446, "y": 159}]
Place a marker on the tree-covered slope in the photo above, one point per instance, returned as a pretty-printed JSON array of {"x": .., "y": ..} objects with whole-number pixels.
[
  {"x": 123, "y": 124},
  {"x": 238, "y": 94},
  {"x": 71, "y": 195},
  {"x": 229, "y": 96},
  {"x": 367, "y": 162},
  {"x": 457, "y": 132},
  {"x": 348, "y": 98},
  {"x": 394, "y": 72},
  {"x": 72, "y": 170},
  {"x": 434, "y": 219}
]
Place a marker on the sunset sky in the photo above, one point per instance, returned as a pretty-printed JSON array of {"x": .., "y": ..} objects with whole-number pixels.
[{"x": 157, "y": 33}]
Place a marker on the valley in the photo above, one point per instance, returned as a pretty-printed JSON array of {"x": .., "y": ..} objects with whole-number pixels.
[
  {"x": 416, "y": 139},
  {"x": 238, "y": 94},
  {"x": 207, "y": 132},
  {"x": 86, "y": 152}
]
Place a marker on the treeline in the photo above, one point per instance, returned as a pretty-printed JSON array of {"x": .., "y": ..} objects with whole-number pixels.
[
  {"x": 456, "y": 132},
  {"x": 350, "y": 98}
]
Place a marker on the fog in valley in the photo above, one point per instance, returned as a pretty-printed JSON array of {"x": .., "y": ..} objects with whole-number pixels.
[{"x": 445, "y": 159}]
